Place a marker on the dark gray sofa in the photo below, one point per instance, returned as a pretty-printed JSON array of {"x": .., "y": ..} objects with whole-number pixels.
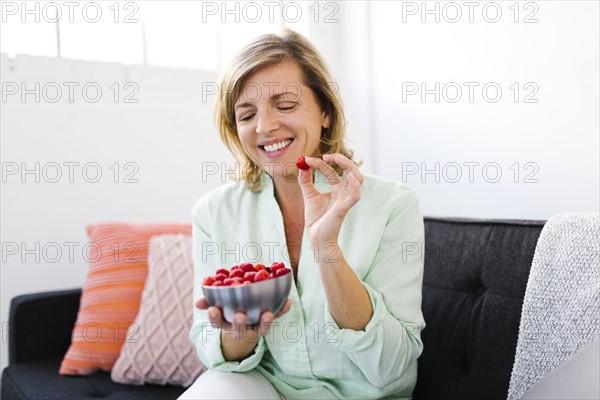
[{"x": 474, "y": 282}]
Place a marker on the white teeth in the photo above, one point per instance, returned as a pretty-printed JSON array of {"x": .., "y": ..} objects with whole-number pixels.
[{"x": 277, "y": 146}]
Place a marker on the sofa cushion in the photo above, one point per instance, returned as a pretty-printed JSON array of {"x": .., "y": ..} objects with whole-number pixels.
[
  {"x": 40, "y": 380},
  {"x": 159, "y": 350},
  {"x": 110, "y": 298},
  {"x": 473, "y": 287}
]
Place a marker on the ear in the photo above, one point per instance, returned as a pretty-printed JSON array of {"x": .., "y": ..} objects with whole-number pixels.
[{"x": 325, "y": 120}]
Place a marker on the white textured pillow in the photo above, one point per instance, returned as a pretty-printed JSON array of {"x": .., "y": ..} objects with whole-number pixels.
[{"x": 157, "y": 349}]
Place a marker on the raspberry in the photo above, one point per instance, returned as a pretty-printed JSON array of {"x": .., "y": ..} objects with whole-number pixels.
[
  {"x": 223, "y": 271},
  {"x": 233, "y": 281},
  {"x": 220, "y": 277},
  {"x": 277, "y": 265},
  {"x": 236, "y": 273},
  {"x": 281, "y": 272},
  {"x": 261, "y": 276},
  {"x": 247, "y": 267},
  {"x": 246, "y": 274},
  {"x": 301, "y": 163},
  {"x": 208, "y": 281}
]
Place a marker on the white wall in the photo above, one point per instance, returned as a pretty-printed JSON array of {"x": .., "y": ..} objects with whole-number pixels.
[
  {"x": 558, "y": 135},
  {"x": 167, "y": 136}
]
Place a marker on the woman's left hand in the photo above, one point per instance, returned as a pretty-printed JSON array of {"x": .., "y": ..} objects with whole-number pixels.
[{"x": 325, "y": 212}]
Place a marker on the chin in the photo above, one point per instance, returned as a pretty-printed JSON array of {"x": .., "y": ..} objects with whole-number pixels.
[{"x": 289, "y": 174}]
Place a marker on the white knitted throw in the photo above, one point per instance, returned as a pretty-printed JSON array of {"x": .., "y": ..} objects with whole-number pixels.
[{"x": 561, "y": 308}]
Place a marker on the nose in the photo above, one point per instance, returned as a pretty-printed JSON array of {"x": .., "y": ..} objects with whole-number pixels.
[{"x": 266, "y": 122}]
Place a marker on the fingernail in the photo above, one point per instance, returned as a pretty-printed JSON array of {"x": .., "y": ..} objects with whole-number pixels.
[{"x": 212, "y": 314}]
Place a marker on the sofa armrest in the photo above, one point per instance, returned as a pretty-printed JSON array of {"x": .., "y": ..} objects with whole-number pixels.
[{"x": 41, "y": 324}]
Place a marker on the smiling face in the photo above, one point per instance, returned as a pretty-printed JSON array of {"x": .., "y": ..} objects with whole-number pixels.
[{"x": 278, "y": 119}]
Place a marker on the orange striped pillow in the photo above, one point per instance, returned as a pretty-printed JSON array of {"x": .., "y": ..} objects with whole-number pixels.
[{"x": 111, "y": 294}]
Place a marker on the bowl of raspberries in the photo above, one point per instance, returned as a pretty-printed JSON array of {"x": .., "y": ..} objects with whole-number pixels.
[{"x": 248, "y": 288}]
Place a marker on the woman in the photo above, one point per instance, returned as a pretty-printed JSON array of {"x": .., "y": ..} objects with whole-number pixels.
[{"x": 351, "y": 328}]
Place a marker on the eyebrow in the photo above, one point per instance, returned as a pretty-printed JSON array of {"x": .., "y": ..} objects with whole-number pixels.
[{"x": 273, "y": 98}]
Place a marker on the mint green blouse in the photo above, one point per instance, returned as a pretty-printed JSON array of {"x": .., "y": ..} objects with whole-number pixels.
[{"x": 306, "y": 355}]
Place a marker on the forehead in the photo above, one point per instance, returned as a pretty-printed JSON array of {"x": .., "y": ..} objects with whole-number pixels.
[{"x": 273, "y": 79}]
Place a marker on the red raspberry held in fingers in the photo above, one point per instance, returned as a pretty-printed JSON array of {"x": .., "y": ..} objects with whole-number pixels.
[
  {"x": 261, "y": 276},
  {"x": 301, "y": 163}
]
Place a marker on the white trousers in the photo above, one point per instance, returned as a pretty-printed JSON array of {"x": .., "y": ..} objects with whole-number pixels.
[{"x": 214, "y": 384}]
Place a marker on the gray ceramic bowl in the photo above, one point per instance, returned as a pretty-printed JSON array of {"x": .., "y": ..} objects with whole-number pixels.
[{"x": 254, "y": 299}]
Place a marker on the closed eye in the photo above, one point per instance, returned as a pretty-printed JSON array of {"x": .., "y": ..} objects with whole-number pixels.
[
  {"x": 286, "y": 106},
  {"x": 247, "y": 117}
]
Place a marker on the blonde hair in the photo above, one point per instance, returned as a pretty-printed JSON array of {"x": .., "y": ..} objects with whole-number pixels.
[{"x": 265, "y": 51}]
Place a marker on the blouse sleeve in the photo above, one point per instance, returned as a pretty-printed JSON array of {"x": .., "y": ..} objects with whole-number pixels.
[
  {"x": 391, "y": 340},
  {"x": 203, "y": 335}
]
